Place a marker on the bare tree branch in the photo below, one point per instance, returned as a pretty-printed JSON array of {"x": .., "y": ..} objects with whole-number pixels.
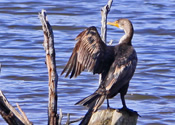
[
  {"x": 10, "y": 114},
  {"x": 51, "y": 65},
  {"x": 104, "y": 13}
]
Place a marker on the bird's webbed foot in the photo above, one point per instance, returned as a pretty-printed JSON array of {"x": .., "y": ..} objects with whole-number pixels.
[{"x": 130, "y": 112}]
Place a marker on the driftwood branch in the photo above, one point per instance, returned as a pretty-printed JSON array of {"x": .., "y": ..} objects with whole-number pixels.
[
  {"x": 51, "y": 65},
  {"x": 113, "y": 117},
  {"x": 104, "y": 12},
  {"x": 60, "y": 117},
  {"x": 10, "y": 114},
  {"x": 76, "y": 120}
]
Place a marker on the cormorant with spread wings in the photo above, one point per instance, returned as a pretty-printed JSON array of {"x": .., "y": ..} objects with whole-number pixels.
[{"x": 116, "y": 64}]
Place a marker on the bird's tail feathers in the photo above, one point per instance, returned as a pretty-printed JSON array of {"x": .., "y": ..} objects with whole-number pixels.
[
  {"x": 88, "y": 100},
  {"x": 99, "y": 102},
  {"x": 93, "y": 102},
  {"x": 96, "y": 98}
]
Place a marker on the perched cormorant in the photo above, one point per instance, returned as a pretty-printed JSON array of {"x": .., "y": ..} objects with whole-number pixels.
[{"x": 116, "y": 64}]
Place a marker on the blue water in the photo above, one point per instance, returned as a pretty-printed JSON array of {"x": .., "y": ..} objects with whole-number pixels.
[{"x": 24, "y": 79}]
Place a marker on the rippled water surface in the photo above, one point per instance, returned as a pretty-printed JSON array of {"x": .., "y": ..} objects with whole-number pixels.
[{"x": 23, "y": 77}]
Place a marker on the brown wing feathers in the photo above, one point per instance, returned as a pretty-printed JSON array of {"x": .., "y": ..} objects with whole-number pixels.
[{"x": 86, "y": 53}]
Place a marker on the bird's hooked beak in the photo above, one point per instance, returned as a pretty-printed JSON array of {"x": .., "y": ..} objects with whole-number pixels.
[{"x": 114, "y": 24}]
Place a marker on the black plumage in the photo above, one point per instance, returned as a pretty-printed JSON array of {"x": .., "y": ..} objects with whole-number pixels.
[{"x": 116, "y": 64}]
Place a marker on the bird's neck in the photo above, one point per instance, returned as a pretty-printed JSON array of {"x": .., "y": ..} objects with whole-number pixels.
[{"x": 127, "y": 37}]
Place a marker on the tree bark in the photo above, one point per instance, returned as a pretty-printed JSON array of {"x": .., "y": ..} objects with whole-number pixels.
[
  {"x": 104, "y": 13},
  {"x": 51, "y": 65},
  {"x": 113, "y": 117},
  {"x": 9, "y": 113}
]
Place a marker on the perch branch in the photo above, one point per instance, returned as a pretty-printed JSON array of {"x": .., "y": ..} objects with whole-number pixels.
[{"x": 113, "y": 117}]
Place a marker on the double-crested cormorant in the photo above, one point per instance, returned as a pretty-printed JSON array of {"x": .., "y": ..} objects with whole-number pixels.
[{"x": 117, "y": 64}]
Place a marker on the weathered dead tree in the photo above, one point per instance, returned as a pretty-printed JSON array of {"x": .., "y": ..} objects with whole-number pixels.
[
  {"x": 10, "y": 114},
  {"x": 51, "y": 65},
  {"x": 111, "y": 116},
  {"x": 104, "y": 12}
]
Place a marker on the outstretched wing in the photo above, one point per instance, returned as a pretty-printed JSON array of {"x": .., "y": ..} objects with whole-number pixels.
[{"x": 87, "y": 54}]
